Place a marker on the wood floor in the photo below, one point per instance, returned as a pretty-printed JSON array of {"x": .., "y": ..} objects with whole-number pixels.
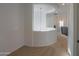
[{"x": 57, "y": 49}]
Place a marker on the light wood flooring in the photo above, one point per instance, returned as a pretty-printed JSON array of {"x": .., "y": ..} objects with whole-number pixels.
[{"x": 57, "y": 49}]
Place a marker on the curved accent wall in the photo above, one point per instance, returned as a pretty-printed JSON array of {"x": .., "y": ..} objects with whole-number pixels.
[
  {"x": 42, "y": 35},
  {"x": 37, "y": 33},
  {"x": 44, "y": 38}
]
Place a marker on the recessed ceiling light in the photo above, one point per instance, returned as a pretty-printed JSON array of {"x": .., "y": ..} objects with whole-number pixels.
[{"x": 63, "y": 3}]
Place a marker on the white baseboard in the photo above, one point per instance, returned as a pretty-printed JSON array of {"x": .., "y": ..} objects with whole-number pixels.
[
  {"x": 7, "y": 53},
  {"x": 4, "y": 53}
]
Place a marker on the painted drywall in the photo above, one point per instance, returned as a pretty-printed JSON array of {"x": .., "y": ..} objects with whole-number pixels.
[
  {"x": 40, "y": 14},
  {"x": 11, "y": 27},
  {"x": 28, "y": 24},
  {"x": 44, "y": 38},
  {"x": 41, "y": 38},
  {"x": 71, "y": 29},
  {"x": 51, "y": 20},
  {"x": 76, "y": 29},
  {"x": 62, "y": 12}
]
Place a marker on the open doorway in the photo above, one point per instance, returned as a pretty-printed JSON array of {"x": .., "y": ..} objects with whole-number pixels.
[{"x": 59, "y": 20}]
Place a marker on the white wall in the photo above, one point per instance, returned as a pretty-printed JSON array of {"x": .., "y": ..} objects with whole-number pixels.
[
  {"x": 28, "y": 24},
  {"x": 40, "y": 14},
  {"x": 51, "y": 20},
  {"x": 62, "y": 11},
  {"x": 71, "y": 29},
  {"x": 45, "y": 38},
  {"x": 39, "y": 20},
  {"x": 11, "y": 27},
  {"x": 39, "y": 17}
]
